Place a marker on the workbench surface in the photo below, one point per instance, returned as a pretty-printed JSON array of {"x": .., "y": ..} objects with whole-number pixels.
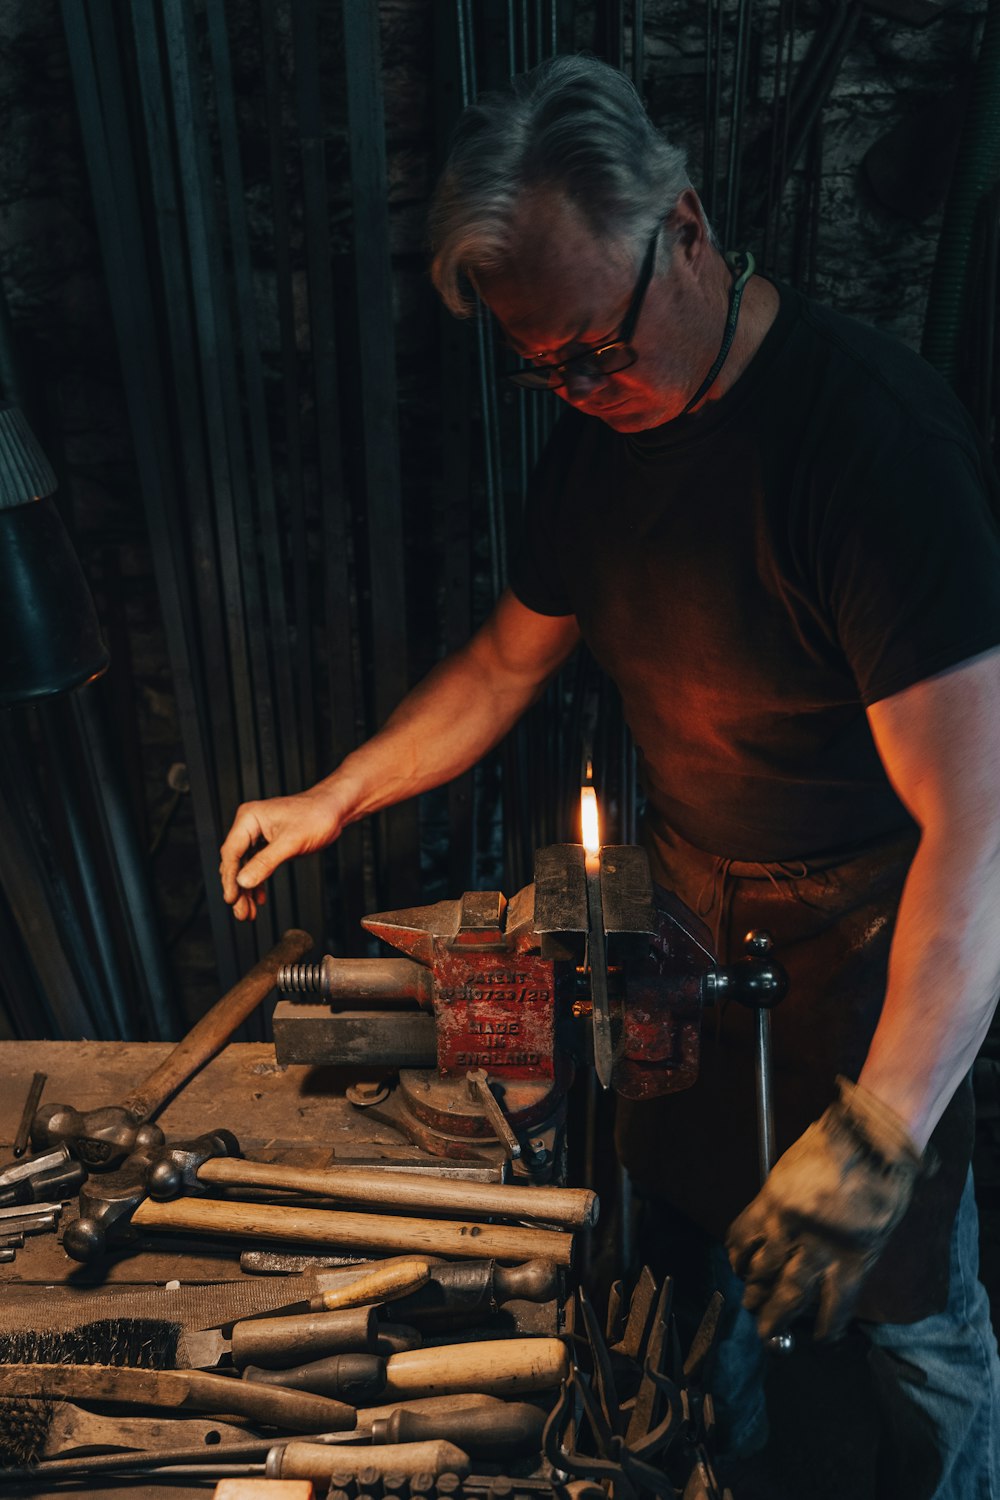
[{"x": 276, "y": 1112}]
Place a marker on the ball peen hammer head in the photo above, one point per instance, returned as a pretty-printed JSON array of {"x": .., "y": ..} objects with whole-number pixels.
[
  {"x": 99, "y": 1138},
  {"x": 174, "y": 1169},
  {"x": 107, "y": 1203}
]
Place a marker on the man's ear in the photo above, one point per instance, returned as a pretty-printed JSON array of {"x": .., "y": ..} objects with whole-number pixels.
[{"x": 686, "y": 224}]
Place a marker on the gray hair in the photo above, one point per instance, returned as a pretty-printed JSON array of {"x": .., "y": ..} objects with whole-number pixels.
[{"x": 575, "y": 124}]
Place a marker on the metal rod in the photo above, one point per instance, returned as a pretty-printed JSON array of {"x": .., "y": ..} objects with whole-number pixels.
[
  {"x": 107, "y": 138},
  {"x": 28, "y": 1113}
]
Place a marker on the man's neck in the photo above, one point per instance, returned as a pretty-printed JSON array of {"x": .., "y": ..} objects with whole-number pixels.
[{"x": 757, "y": 312}]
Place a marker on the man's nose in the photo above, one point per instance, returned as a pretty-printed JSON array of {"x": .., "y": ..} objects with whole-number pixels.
[{"x": 580, "y": 386}]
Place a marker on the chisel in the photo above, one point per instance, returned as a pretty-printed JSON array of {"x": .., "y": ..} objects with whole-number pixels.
[{"x": 273, "y": 1342}]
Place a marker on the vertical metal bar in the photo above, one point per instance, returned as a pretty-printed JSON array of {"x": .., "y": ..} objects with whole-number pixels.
[
  {"x": 189, "y": 440},
  {"x": 113, "y": 187},
  {"x": 638, "y": 44},
  {"x": 379, "y": 418},
  {"x": 456, "y": 472},
  {"x": 42, "y": 906},
  {"x": 246, "y": 635},
  {"x": 741, "y": 62},
  {"x": 308, "y": 873},
  {"x": 129, "y": 871},
  {"x": 336, "y": 576},
  {"x": 58, "y": 734},
  {"x": 272, "y": 635}
]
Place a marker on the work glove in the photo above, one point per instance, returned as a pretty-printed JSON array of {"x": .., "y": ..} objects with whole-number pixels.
[{"x": 821, "y": 1220}]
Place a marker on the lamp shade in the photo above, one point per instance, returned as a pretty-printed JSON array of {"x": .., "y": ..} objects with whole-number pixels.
[{"x": 50, "y": 639}]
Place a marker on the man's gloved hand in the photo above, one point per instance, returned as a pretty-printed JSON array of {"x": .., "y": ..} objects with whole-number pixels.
[{"x": 820, "y": 1221}]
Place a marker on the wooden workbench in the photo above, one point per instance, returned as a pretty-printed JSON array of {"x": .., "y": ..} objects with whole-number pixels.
[{"x": 275, "y": 1111}]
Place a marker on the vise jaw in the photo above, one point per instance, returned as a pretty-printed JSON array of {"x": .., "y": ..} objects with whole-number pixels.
[{"x": 506, "y": 981}]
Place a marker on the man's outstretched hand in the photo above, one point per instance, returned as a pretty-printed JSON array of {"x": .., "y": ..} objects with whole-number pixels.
[
  {"x": 265, "y": 834},
  {"x": 822, "y": 1218}
]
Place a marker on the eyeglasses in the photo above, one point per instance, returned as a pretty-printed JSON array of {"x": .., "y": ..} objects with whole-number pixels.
[{"x": 605, "y": 359}]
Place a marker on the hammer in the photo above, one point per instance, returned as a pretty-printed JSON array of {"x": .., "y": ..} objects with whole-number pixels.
[
  {"x": 177, "y": 1170},
  {"x": 103, "y": 1138},
  {"x": 115, "y": 1201}
]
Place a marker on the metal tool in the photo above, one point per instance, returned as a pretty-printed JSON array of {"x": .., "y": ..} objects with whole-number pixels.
[
  {"x": 46, "y": 1161},
  {"x": 763, "y": 998},
  {"x": 194, "y": 1166},
  {"x": 60, "y": 1182},
  {"x": 277, "y": 1342},
  {"x": 28, "y": 1113}
]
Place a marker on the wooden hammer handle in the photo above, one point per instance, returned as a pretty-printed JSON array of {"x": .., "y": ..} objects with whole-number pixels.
[
  {"x": 209, "y": 1035},
  {"x": 318, "y": 1226},
  {"x": 570, "y": 1208}
]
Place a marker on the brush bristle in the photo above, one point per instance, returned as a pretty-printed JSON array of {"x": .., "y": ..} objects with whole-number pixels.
[
  {"x": 142, "y": 1343},
  {"x": 24, "y": 1426}
]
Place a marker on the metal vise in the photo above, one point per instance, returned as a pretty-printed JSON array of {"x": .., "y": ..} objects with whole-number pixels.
[{"x": 508, "y": 984}]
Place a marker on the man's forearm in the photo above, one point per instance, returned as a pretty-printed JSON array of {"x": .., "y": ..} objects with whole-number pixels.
[
  {"x": 944, "y": 976},
  {"x": 441, "y": 728}
]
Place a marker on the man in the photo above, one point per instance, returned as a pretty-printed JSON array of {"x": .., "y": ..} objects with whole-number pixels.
[{"x": 771, "y": 526}]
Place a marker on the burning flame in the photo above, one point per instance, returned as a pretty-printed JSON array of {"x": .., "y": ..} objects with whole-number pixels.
[{"x": 590, "y": 824}]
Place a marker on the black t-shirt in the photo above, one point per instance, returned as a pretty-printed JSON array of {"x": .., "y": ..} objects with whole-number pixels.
[{"x": 756, "y": 574}]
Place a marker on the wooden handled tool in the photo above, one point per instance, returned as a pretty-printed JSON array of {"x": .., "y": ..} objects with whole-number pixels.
[
  {"x": 318, "y": 1226},
  {"x": 64, "y": 1429},
  {"x": 349, "y": 1377},
  {"x": 273, "y": 1342},
  {"x": 461, "y": 1401},
  {"x": 476, "y": 1289},
  {"x": 515, "y": 1428},
  {"x": 569, "y": 1208},
  {"x": 499, "y": 1367},
  {"x": 399, "y": 1278},
  {"x": 179, "y": 1389},
  {"x": 301, "y": 1460}
]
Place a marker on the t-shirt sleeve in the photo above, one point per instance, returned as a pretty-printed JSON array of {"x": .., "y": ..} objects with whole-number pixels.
[
  {"x": 912, "y": 566},
  {"x": 536, "y": 576}
]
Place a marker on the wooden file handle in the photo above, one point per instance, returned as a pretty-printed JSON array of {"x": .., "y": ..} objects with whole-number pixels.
[
  {"x": 302, "y": 1460},
  {"x": 570, "y": 1208},
  {"x": 384, "y": 1284},
  {"x": 497, "y": 1367},
  {"x": 209, "y": 1035},
  {"x": 318, "y": 1226}
]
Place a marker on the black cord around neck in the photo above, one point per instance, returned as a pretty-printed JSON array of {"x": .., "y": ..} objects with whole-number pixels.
[{"x": 743, "y": 267}]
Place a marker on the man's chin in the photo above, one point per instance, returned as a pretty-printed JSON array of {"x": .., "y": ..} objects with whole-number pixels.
[{"x": 631, "y": 421}]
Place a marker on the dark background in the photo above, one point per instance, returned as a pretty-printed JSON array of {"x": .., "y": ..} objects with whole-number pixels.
[{"x": 294, "y": 482}]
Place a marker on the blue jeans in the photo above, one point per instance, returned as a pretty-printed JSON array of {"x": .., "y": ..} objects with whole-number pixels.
[{"x": 937, "y": 1384}]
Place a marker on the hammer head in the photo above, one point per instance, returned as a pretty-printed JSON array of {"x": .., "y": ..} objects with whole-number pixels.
[
  {"x": 108, "y": 1201},
  {"x": 107, "y": 1204},
  {"x": 174, "y": 1169},
  {"x": 100, "y": 1138}
]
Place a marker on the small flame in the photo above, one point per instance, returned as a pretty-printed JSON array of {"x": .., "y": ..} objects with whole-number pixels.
[{"x": 590, "y": 823}]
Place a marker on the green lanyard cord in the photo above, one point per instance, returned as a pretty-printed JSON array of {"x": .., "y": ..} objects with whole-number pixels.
[{"x": 729, "y": 332}]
